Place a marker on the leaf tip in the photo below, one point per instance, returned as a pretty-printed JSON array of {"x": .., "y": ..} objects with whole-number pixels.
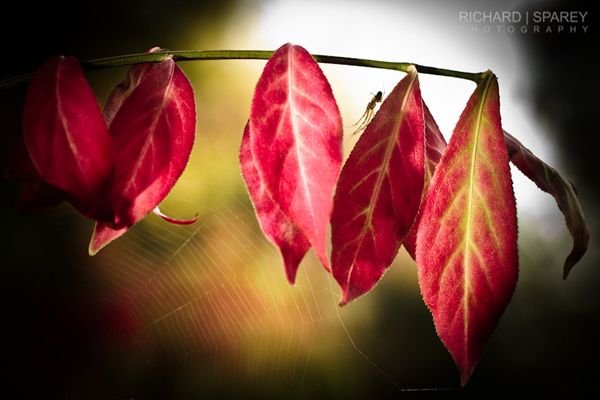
[
  {"x": 291, "y": 278},
  {"x": 466, "y": 370},
  {"x": 103, "y": 234},
  {"x": 566, "y": 270},
  {"x": 464, "y": 377},
  {"x": 346, "y": 298},
  {"x": 351, "y": 293},
  {"x": 92, "y": 251},
  {"x": 95, "y": 245}
]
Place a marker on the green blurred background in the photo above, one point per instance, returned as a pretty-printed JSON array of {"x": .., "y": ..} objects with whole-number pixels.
[{"x": 204, "y": 311}]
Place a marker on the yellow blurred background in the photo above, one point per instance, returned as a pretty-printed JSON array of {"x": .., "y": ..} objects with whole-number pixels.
[{"x": 205, "y": 311}]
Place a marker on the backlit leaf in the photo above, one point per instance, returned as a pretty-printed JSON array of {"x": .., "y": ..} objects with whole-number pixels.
[
  {"x": 275, "y": 224},
  {"x": 67, "y": 138},
  {"x": 295, "y": 137},
  {"x": 467, "y": 240},
  {"x": 134, "y": 76},
  {"x": 551, "y": 181},
  {"x": 379, "y": 191},
  {"x": 154, "y": 133},
  {"x": 435, "y": 145}
]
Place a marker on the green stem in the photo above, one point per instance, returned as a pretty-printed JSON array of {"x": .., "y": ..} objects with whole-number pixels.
[{"x": 190, "y": 55}]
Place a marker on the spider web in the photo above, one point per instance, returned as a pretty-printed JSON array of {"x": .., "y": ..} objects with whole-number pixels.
[
  {"x": 206, "y": 308},
  {"x": 209, "y": 306}
]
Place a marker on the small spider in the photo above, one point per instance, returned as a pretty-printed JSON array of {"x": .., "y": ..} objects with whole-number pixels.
[{"x": 369, "y": 113}]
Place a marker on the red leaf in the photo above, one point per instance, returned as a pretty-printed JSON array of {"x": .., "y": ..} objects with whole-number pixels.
[
  {"x": 67, "y": 138},
  {"x": 435, "y": 145},
  {"x": 154, "y": 134},
  {"x": 275, "y": 224},
  {"x": 115, "y": 177},
  {"x": 551, "y": 181},
  {"x": 37, "y": 194},
  {"x": 379, "y": 191},
  {"x": 103, "y": 234},
  {"x": 134, "y": 76},
  {"x": 295, "y": 137},
  {"x": 467, "y": 241},
  {"x": 545, "y": 177}
]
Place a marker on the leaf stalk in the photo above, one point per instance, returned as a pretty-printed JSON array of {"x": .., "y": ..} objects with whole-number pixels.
[{"x": 195, "y": 55}]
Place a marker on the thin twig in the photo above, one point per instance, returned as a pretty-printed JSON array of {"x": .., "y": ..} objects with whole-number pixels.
[{"x": 194, "y": 55}]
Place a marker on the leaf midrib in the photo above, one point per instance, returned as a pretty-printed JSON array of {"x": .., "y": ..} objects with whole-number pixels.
[
  {"x": 66, "y": 128},
  {"x": 383, "y": 173},
  {"x": 478, "y": 124},
  {"x": 150, "y": 138},
  {"x": 299, "y": 154}
]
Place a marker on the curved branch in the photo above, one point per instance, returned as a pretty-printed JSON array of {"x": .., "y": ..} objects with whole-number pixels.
[{"x": 195, "y": 55}]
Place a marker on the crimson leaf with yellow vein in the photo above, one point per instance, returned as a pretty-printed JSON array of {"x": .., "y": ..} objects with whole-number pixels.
[
  {"x": 379, "y": 191},
  {"x": 466, "y": 249}
]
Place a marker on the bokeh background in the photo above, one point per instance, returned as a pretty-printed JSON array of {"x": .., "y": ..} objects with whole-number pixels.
[{"x": 204, "y": 311}]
